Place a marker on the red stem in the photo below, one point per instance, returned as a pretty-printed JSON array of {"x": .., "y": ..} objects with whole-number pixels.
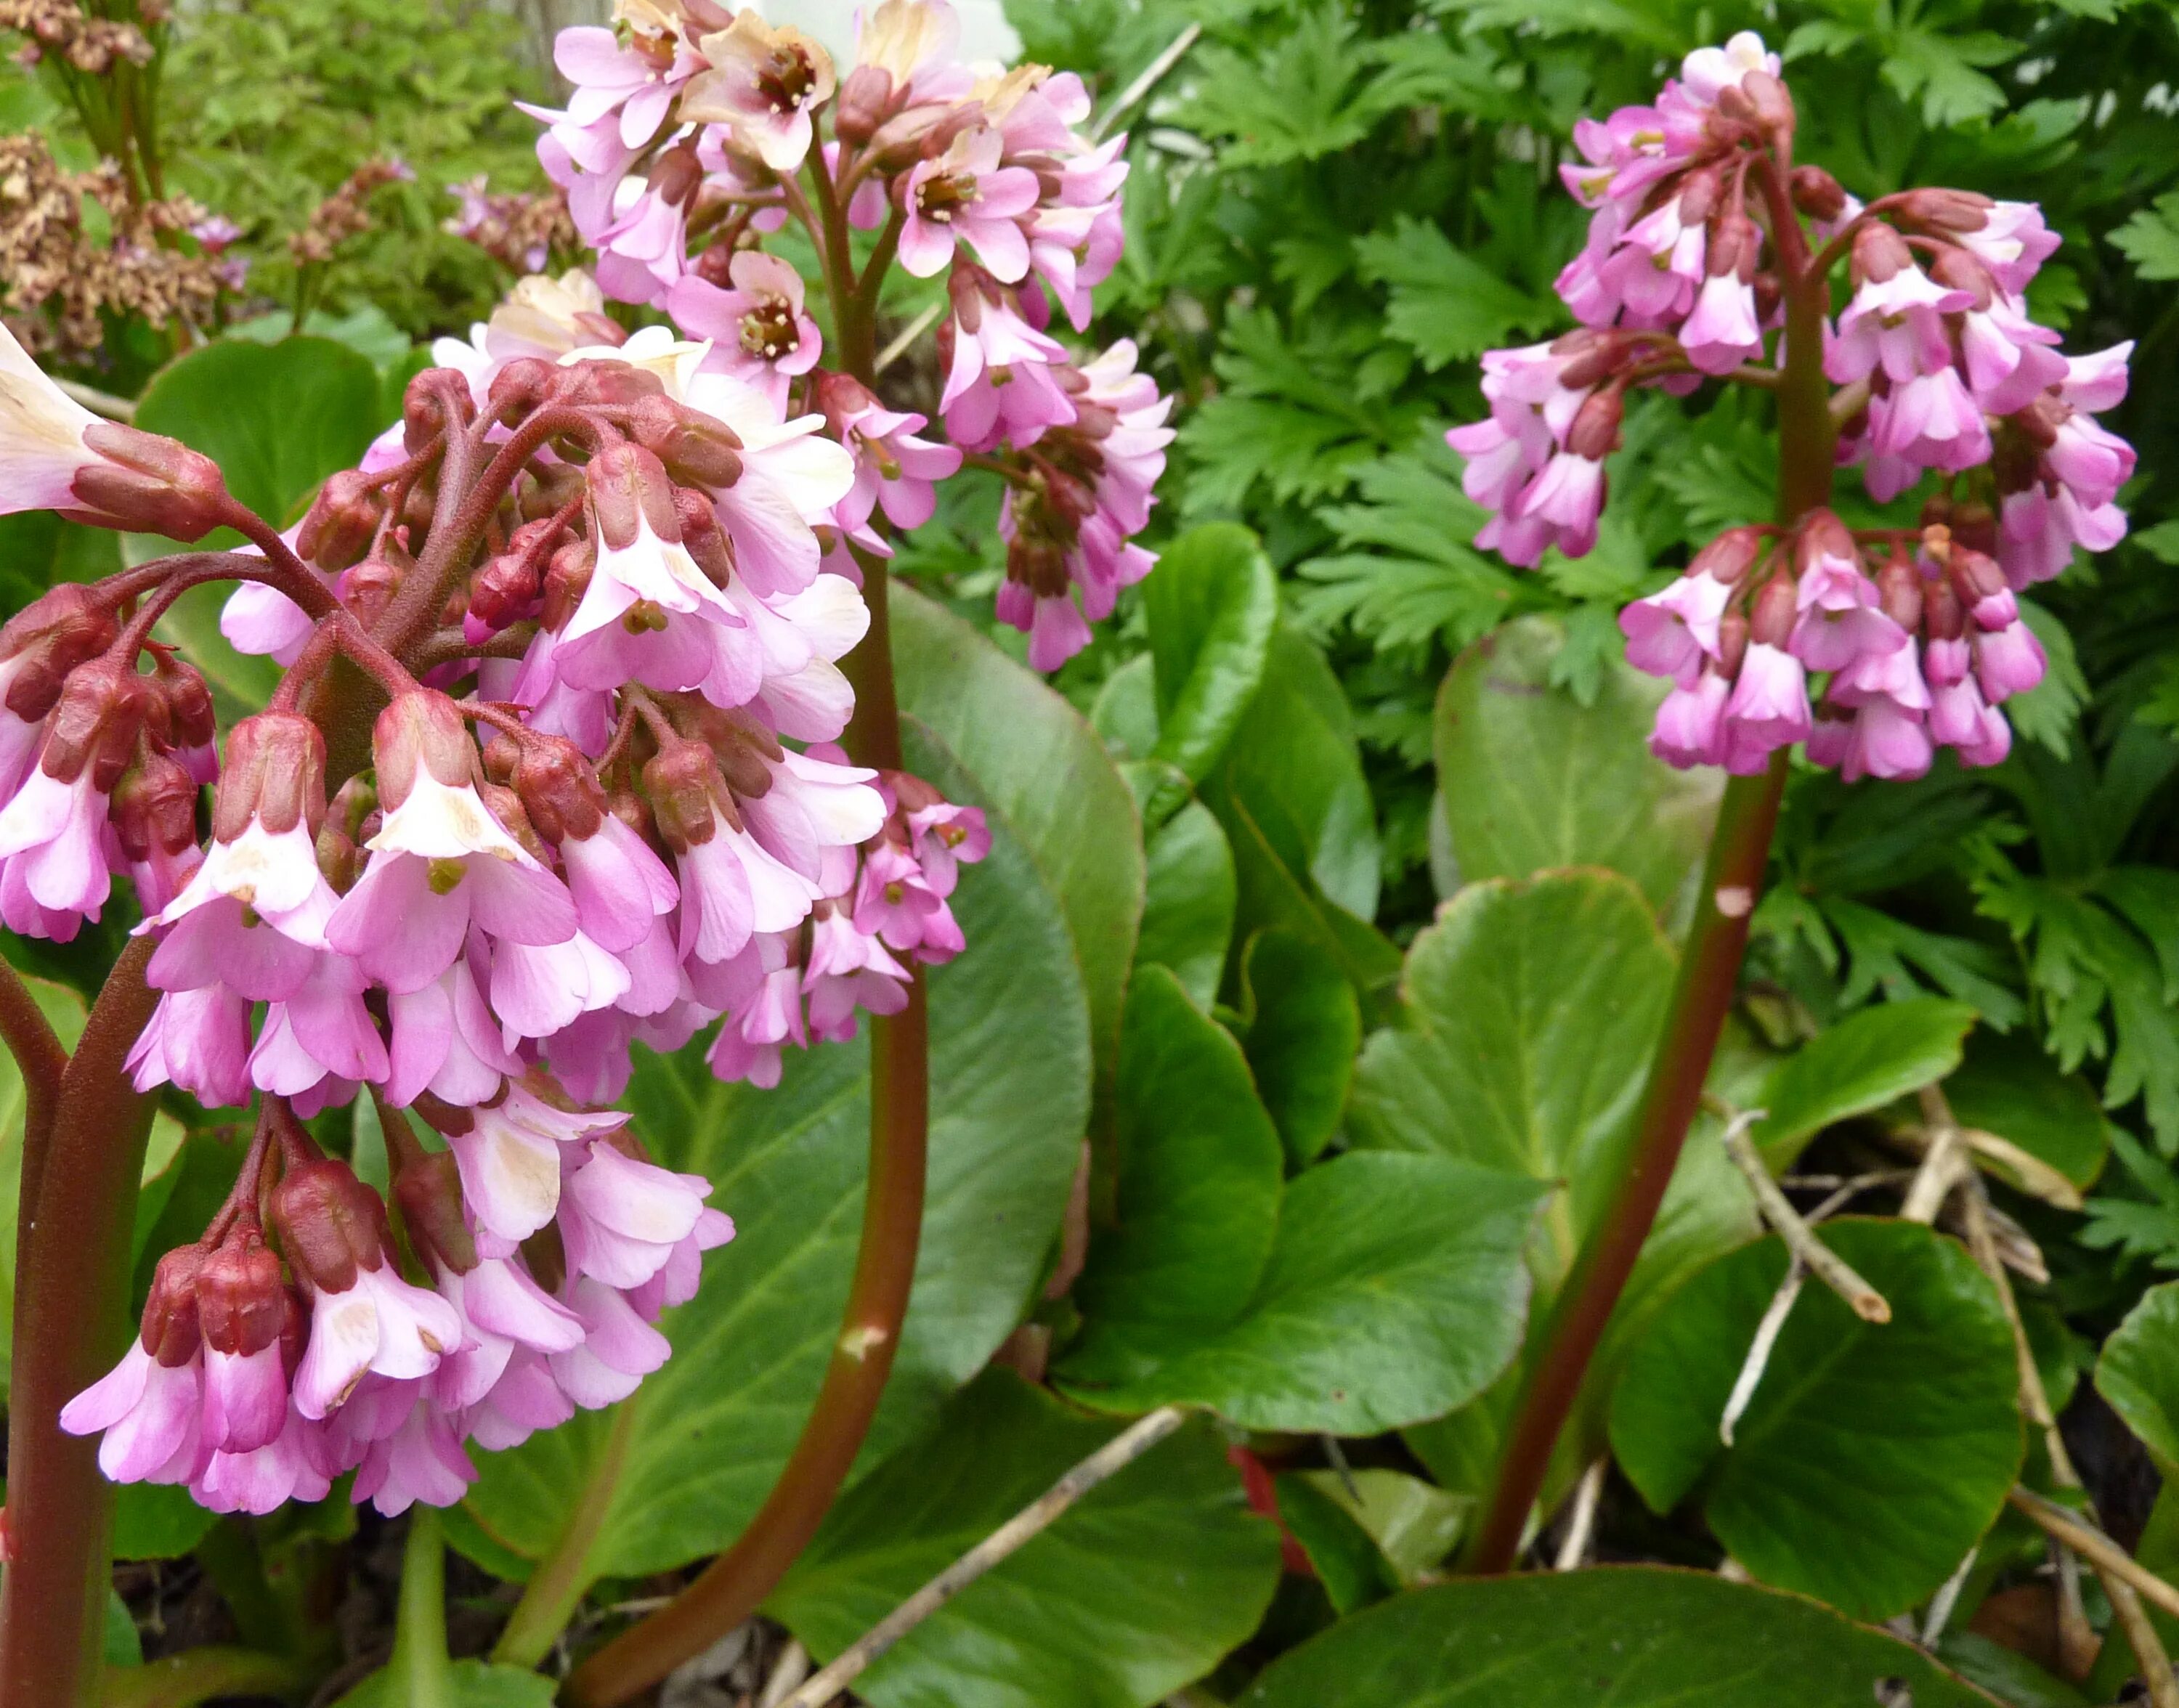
[
  {"x": 39, "y": 1057},
  {"x": 72, "y": 1285},
  {"x": 1703, "y": 988}
]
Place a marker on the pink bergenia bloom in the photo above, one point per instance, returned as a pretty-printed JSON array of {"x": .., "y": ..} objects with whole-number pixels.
[
  {"x": 1769, "y": 708},
  {"x": 2013, "y": 243},
  {"x": 621, "y": 1219},
  {"x": 445, "y": 1041},
  {"x": 1722, "y": 332},
  {"x": 2009, "y": 359},
  {"x": 42, "y": 429},
  {"x": 199, "y": 1041},
  {"x": 638, "y": 80},
  {"x": 1690, "y": 725},
  {"x": 966, "y": 194},
  {"x": 1897, "y": 323},
  {"x": 1672, "y": 632},
  {"x": 760, "y": 333},
  {"x": 763, "y": 83},
  {"x": 914, "y": 43}
]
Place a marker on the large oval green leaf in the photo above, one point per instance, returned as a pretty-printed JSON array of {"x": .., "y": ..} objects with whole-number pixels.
[
  {"x": 1615, "y": 1636},
  {"x": 1188, "y": 910},
  {"x": 1212, "y": 607},
  {"x": 2138, "y": 1374},
  {"x": 705, "y": 1437},
  {"x": 1533, "y": 779},
  {"x": 1861, "y": 1064},
  {"x": 1139, "y": 1588},
  {"x": 1873, "y": 1456},
  {"x": 1035, "y": 760}
]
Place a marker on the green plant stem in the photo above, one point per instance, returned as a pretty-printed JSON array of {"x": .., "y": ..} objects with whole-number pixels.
[
  {"x": 72, "y": 1289},
  {"x": 1702, "y": 994},
  {"x": 735, "y": 1583},
  {"x": 419, "y": 1671},
  {"x": 549, "y": 1598},
  {"x": 201, "y": 1675}
]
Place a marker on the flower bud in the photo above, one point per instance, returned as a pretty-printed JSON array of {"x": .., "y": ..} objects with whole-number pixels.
[
  {"x": 1732, "y": 640},
  {"x": 421, "y": 728},
  {"x": 693, "y": 447},
  {"x": 429, "y": 1195},
  {"x": 1899, "y": 593},
  {"x": 1772, "y": 102},
  {"x": 1735, "y": 246},
  {"x": 1823, "y": 535},
  {"x": 188, "y": 696},
  {"x": 505, "y": 586},
  {"x": 1955, "y": 270},
  {"x": 740, "y": 746},
  {"x": 102, "y": 709},
  {"x": 1729, "y": 555},
  {"x": 170, "y": 1332},
  {"x": 276, "y": 774},
  {"x": 1945, "y": 210},
  {"x": 506, "y": 806},
  {"x": 677, "y": 176},
  {"x": 343, "y": 521},
  {"x": 680, "y": 781},
  {"x": 550, "y": 490},
  {"x": 1595, "y": 434},
  {"x": 154, "y": 810},
  {"x": 558, "y": 789},
  {"x": 566, "y": 580},
  {"x": 629, "y": 488},
  {"x": 242, "y": 1303},
  {"x": 149, "y": 483},
  {"x": 330, "y": 1225},
  {"x": 704, "y": 540},
  {"x": 1817, "y": 193},
  {"x": 436, "y": 403},
  {"x": 865, "y": 101},
  {"x": 369, "y": 588},
  {"x": 1771, "y": 623},
  {"x": 63, "y": 627}
]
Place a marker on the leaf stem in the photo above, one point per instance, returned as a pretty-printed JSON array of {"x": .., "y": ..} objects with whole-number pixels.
[
  {"x": 549, "y": 1598},
  {"x": 32, "y": 1040},
  {"x": 419, "y": 1670},
  {"x": 72, "y": 1286}
]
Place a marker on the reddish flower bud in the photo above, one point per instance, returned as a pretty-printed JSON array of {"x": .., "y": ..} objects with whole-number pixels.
[
  {"x": 566, "y": 580},
  {"x": 429, "y": 1195},
  {"x": 188, "y": 696},
  {"x": 740, "y": 745},
  {"x": 1732, "y": 640},
  {"x": 685, "y": 795},
  {"x": 1823, "y": 535},
  {"x": 102, "y": 709},
  {"x": 1729, "y": 555},
  {"x": 704, "y": 540},
  {"x": 1595, "y": 434},
  {"x": 559, "y": 790},
  {"x": 693, "y": 447},
  {"x": 1899, "y": 593},
  {"x": 330, "y": 1225},
  {"x": 1955, "y": 270},
  {"x": 438, "y": 402},
  {"x": 677, "y": 175},
  {"x": 506, "y": 806},
  {"x": 421, "y": 728},
  {"x": 170, "y": 1332},
  {"x": 149, "y": 483},
  {"x": 629, "y": 487},
  {"x": 1945, "y": 210},
  {"x": 63, "y": 627},
  {"x": 865, "y": 102},
  {"x": 276, "y": 774},
  {"x": 154, "y": 811},
  {"x": 242, "y": 1303},
  {"x": 343, "y": 520},
  {"x": 1771, "y": 622},
  {"x": 1817, "y": 193}
]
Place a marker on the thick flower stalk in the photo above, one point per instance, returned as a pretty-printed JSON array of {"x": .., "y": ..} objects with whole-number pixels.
[
  {"x": 1870, "y": 650},
  {"x": 693, "y": 134},
  {"x": 1711, "y": 256}
]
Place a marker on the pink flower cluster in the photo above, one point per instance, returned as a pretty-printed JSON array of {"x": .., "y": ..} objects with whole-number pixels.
[
  {"x": 1700, "y": 227},
  {"x": 684, "y": 143},
  {"x": 1915, "y": 639}
]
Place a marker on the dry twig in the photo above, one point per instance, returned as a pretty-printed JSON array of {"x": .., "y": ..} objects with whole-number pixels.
[{"x": 1823, "y": 1263}]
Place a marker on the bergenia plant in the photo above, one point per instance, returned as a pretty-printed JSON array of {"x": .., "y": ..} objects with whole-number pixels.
[
  {"x": 1712, "y": 255},
  {"x": 587, "y": 739}
]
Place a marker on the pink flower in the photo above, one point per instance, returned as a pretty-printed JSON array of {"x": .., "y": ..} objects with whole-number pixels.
[
  {"x": 1769, "y": 708},
  {"x": 1896, "y": 323},
  {"x": 445, "y": 1042},
  {"x": 1671, "y": 633},
  {"x": 761, "y": 334},
  {"x": 1722, "y": 332},
  {"x": 966, "y": 194},
  {"x": 380, "y": 1324},
  {"x": 639, "y": 80},
  {"x": 2013, "y": 243},
  {"x": 1839, "y": 623},
  {"x": 199, "y": 1041},
  {"x": 421, "y": 1460},
  {"x": 620, "y": 886},
  {"x": 42, "y": 447},
  {"x": 763, "y": 86},
  {"x": 1931, "y": 421},
  {"x": 2009, "y": 360},
  {"x": 1690, "y": 725},
  {"x": 1567, "y": 498},
  {"x": 2007, "y": 661},
  {"x": 618, "y": 1347},
  {"x": 620, "y": 1218}
]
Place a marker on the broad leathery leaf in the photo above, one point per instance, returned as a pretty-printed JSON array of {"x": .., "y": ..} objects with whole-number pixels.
[
  {"x": 2018, "y": 1094},
  {"x": 278, "y": 418},
  {"x": 1873, "y": 1456},
  {"x": 1529, "y": 1012},
  {"x": 1632, "y": 1636},
  {"x": 1125, "y": 714},
  {"x": 1295, "y": 766},
  {"x": 1198, "y": 1162},
  {"x": 1188, "y": 910},
  {"x": 1212, "y": 607},
  {"x": 1395, "y": 1291},
  {"x": 1009, "y": 1101},
  {"x": 38, "y": 551},
  {"x": 1861, "y": 1064},
  {"x": 1415, "y": 1523},
  {"x": 1534, "y": 780},
  {"x": 1273, "y": 893},
  {"x": 63, "y": 1010},
  {"x": 156, "y": 1521},
  {"x": 2006, "y": 1673},
  {"x": 1305, "y": 1026},
  {"x": 1035, "y": 760},
  {"x": 1137, "y": 1588},
  {"x": 1351, "y": 1565},
  {"x": 2138, "y": 1374}
]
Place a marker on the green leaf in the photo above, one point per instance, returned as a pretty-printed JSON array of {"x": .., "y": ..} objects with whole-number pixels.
[
  {"x": 1533, "y": 779},
  {"x": 1350, "y": 1565},
  {"x": 1395, "y": 1292},
  {"x": 277, "y": 418},
  {"x": 1188, "y": 911},
  {"x": 121, "y": 1643},
  {"x": 1448, "y": 305},
  {"x": 2007, "y": 1674},
  {"x": 2020, "y": 1095},
  {"x": 1528, "y": 1012},
  {"x": 1631, "y": 1636},
  {"x": 1212, "y": 607},
  {"x": 1305, "y": 1026},
  {"x": 1009, "y": 1089},
  {"x": 469, "y": 1684},
  {"x": 1140, "y": 1587},
  {"x": 1861, "y": 1064},
  {"x": 64, "y": 1011},
  {"x": 2048, "y": 712},
  {"x": 1872, "y": 1456},
  {"x": 2137, "y": 1372},
  {"x": 157, "y": 1521},
  {"x": 1414, "y": 1523},
  {"x": 1198, "y": 1206},
  {"x": 1125, "y": 715},
  {"x": 1037, "y": 763},
  {"x": 2150, "y": 240}
]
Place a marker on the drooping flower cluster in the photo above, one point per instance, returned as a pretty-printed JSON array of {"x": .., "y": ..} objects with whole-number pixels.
[
  {"x": 1702, "y": 234},
  {"x": 683, "y": 143}
]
